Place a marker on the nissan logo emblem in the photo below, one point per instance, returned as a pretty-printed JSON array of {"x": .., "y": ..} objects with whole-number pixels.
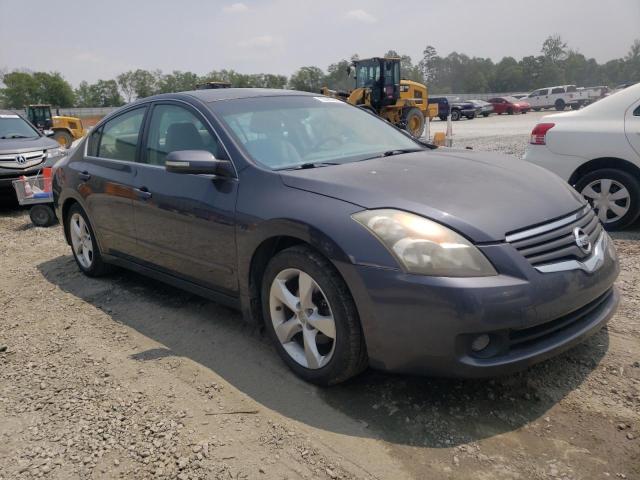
[
  {"x": 582, "y": 240},
  {"x": 21, "y": 159}
]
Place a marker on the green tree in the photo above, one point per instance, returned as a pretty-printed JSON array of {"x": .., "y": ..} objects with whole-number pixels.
[
  {"x": 177, "y": 81},
  {"x": 20, "y": 89},
  {"x": 554, "y": 48},
  {"x": 53, "y": 89},
  {"x": 23, "y": 88},
  {"x": 308, "y": 79},
  {"x": 103, "y": 93}
]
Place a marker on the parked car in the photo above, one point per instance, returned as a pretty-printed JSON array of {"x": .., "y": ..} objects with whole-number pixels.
[
  {"x": 23, "y": 150},
  {"x": 482, "y": 108},
  {"x": 509, "y": 105},
  {"x": 557, "y": 97},
  {"x": 353, "y": 243},
  {"x": 597, "y": 150},
  {"x": 456, "y": 108}
]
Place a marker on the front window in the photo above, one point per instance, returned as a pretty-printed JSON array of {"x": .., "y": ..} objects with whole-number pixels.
[
  {"x": 367, "y": 74},
  {"x": 12, "y": 126},
  {"x": 286, "y": 132}
]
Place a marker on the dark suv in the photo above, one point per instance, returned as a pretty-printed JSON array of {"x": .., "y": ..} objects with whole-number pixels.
[
  {"x": 352, "y": 242},
  {"x": 23, "y": 150}
]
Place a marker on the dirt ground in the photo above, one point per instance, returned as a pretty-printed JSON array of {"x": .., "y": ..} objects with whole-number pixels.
[{"x": 124, "y": 377}]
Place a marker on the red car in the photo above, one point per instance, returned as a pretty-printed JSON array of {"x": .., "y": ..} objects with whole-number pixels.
[{"x": 509, "y": 105}]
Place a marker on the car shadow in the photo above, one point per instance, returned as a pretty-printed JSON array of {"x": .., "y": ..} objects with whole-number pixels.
[{"x": 405, "y": 410}]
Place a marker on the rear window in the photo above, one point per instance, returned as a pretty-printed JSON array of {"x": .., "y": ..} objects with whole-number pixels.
[
  {"x": 557, "y": 90},
  {"x": 571, "y": 88},
  {"x": 637, "y": 111}
]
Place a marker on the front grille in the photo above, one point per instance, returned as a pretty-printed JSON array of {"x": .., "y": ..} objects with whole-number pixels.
[
  {"x": 526, "y": 336},
  {"x": 30, "y": 159},
  {"x": 555, "y": 241}
]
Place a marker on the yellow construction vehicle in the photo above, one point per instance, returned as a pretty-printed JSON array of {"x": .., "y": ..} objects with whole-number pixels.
[
  {"x": 66, "y": 129},
  {"x": 379, "y": 89}
]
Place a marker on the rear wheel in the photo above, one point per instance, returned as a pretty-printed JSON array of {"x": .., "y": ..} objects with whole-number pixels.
[
  {"x": 485, "y": 115},
  {"x": 63, "y": 138},
  {"x": 443, "y": 118},
  {"x": 575, "y": 106},
  {"x": 536, "y": 109},
  {"x": 413, "y": 120},
  {"x": 455, "y": 115},
  {"x": 83, "y": 243},
  {"x": 311, "y": 317},
  {"x": 614, "y": 195},
  {"x": 560, "y": 105}
]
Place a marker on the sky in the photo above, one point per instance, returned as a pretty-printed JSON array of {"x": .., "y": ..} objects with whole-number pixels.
[{"x": 99, "y": 40}]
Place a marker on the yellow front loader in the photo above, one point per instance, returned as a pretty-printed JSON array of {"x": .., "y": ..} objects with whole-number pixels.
[
  {"x": 65, "y": 129},
  {"x": 380, "y": 90}
]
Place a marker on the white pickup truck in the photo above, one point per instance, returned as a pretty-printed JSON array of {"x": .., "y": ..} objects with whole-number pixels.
[{"x": 557, "y": 97}]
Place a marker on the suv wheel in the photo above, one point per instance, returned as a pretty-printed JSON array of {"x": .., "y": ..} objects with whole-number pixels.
[
  {"x": 311, "y": 317},
  {"x": 455, "y": 115},
  {"x": 614, "y": 195},
  {"x": 83, "y": 243},
  {"x": 560, "y": 105}
]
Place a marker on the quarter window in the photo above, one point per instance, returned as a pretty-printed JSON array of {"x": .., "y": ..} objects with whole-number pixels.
[
  {"x": 119, "y": 139},
  {"x": 637, "y": 111},
  {"x": 557, "y": 90},
  {"x": 174, "y": 128}
]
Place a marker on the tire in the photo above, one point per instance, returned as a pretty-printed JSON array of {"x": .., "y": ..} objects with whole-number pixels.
[
  {"x": 455, "y": 115},
  {"x": 443, "y": 118},
  {"x": 510, "y": 111},
  {"x": 575, "y": 106},
  {"x": 485, "y": 115},
  {"x": 619, "y": 179},
  {"x": 347, "y": 356},
  {"x": 560, "y": 105},
  {"x": 63, "y": 138},
  {"x": 96, "y": 267},
  {"x": 471, "y": 117},
  {"x": 42, "y": 215},
  {"x": 413, "y": 121},
  {"x": 536, "y": 109}
]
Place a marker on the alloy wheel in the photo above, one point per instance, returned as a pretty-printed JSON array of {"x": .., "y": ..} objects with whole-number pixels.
[
  {"x": 302, "y": 318},
  {"x": 81, "y": 240},
  {"x": 610, "y": 199}
]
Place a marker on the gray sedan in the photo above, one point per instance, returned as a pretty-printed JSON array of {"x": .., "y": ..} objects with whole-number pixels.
[{"x": 352, "y": 243}]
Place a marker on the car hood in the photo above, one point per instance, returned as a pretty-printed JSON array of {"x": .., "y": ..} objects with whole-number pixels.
[
  {"x": 482, "y": 195},
  {"x": 21, "y": 145}
]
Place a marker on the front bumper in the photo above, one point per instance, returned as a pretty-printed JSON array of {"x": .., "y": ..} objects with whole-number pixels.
[{"x": 425, "y": 325}]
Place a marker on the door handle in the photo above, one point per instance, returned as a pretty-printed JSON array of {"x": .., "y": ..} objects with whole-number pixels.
[
  {"x": 143, "y": 192},
  {"x": 84, "y": 175}
]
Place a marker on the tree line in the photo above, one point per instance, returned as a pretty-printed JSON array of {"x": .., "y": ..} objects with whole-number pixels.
[{"x": 557, "y": 64}]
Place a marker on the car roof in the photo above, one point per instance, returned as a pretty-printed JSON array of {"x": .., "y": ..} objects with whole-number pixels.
[{"x": 216, "y": 95}]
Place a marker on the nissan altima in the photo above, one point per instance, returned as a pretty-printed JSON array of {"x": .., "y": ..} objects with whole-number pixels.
[{"x": 352, "y": 243}]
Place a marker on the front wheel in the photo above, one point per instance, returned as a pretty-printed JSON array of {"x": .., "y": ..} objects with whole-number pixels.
[
  {"x": 455, "y": 115},
  {"x": 485, "y": 115},
  {"x": 614, "y": 195},
  {"x": 83, "y": 243},
  {"x": 311, "y": 317},
  {"x": 414, "y": 122}
]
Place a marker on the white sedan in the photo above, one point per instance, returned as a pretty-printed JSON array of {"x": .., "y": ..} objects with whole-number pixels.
[{"x": 597, "y": 150}]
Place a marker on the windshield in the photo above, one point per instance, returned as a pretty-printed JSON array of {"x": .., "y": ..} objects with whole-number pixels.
[
  {"x": 288, "y": 132},
  {"x": 12, "y": 126}
]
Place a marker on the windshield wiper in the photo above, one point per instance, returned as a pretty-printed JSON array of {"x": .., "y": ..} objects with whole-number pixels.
[
  {"x": 17, "y": 135},
  {"x": 400, "y": 151},
  {"x": 307, "y": 165}
]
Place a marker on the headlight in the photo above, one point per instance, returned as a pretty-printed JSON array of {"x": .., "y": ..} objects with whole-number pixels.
[
  {"x": 56, "y": 152},
  {"x": 424, "y": 247}
]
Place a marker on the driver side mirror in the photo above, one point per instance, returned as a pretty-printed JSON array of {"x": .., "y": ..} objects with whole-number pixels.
[{"x": 198, "y": 162}]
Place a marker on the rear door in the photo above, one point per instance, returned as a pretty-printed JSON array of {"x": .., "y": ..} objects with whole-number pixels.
[
  {"x": 184, "y": 222},
  {"x": 632, "y": 128},
  {"x": 106, "y": 180}
]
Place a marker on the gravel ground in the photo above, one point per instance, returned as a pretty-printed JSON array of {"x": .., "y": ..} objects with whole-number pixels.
[{"x": 124, "y": 377}]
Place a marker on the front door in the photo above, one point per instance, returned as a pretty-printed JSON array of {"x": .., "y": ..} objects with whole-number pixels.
[
  {"x": 632, "y": 128},
  {"x": 184, "y": 222}
]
